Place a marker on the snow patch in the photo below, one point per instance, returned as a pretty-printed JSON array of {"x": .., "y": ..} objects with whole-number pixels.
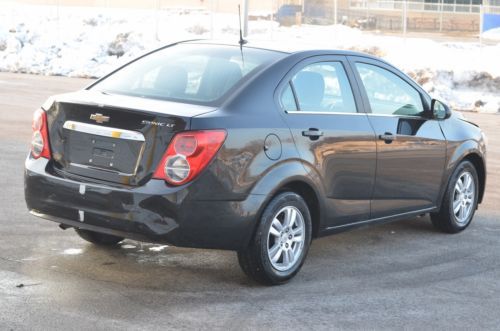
[
  {"x": 493, "y": 34},
  {"x": 89, "y": 42},
  {"x": 72, "y": 251},
  {"x": 158, "y": 248}
]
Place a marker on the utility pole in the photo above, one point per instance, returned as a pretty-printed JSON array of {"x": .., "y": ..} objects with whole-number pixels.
[
  {"x": 212, "y": 12},
  {"x": 405, "y": 16},
  {"x": 157, "y": 19},
  {"x": 441, "y": 16},
  {"x": 335, "y": 12},
  {"x": 481, "y": 13},
  {"x": 245, "y": 18}
]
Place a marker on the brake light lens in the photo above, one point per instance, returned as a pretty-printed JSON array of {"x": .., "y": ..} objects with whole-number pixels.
[
  {"x": 188, "y": 154},
  {"x": 40, "y": 138}
]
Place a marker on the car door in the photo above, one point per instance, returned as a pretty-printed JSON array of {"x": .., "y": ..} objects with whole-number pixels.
[
  {"x": 411, "y": 148},
  {"x": 332, "y": 134}
]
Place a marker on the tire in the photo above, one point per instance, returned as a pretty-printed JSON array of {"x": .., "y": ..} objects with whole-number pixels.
[
  {"x": 96, "y": 238},
  {"x": 461, "y": 194},
  {"x": 289, "y": 243}
]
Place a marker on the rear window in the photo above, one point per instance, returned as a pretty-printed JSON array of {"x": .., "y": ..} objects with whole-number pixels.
[{"x": 192, "y": 73}]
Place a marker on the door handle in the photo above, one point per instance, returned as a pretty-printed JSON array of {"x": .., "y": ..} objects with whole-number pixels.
[
  {"x": 312, "y": 133},
  {"x": 388, "y": 137}
]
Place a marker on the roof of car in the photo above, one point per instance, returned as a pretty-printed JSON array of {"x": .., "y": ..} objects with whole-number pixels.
[{"x": 288, "y": 48}]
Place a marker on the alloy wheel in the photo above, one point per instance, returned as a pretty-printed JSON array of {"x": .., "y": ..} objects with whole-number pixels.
[
  {"x": 463, "y": 197},
  {"x": 285, "y": 240}
]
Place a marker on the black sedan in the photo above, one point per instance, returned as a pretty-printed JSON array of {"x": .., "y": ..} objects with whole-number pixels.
[{"x": 208, "y": 145}]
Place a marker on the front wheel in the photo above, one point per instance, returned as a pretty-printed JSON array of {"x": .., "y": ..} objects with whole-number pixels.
[
  {"x": 281, "y": 242},
  {"x": 459, "y": 201}
]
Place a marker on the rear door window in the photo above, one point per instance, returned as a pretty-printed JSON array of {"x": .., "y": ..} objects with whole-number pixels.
[{"x": 321, "y": 87}]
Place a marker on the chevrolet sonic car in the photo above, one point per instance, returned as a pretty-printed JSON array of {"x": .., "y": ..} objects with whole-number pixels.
[{"x": 208, "y": 145}]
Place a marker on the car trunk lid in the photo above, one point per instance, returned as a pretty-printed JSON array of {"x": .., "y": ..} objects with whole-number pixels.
[{"x": 114, "y": 138}]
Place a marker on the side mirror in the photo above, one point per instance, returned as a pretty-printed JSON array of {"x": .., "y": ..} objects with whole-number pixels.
[{"x": 439, "y": 110}]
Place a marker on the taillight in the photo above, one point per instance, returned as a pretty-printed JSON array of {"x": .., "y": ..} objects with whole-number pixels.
[
  {"x": 188, "y": 154},
  {"x": 40, "y": 138}
]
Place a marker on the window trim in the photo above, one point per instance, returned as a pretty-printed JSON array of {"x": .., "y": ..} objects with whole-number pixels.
[
  {"x": 295, "y": 112},
  {"x": 404, "y": 81},
  {"x": 424, "y": 97},
  {"x": 297, "y": 103},
  {"x": 302, "y": 63},
  {"x": 292, "y": 88}
]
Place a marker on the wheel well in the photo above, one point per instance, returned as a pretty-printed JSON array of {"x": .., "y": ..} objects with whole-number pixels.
[
  {"x": 309, "y": 195},
  {"x": 478, "y": 163}
]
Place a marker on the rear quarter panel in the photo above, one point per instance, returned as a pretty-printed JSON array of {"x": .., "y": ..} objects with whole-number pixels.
[
  {"x": 248, "y": 116},
  {"x": 242, "y": 167}
]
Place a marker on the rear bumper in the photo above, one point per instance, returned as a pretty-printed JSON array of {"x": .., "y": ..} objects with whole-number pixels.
[{"x": 153, "y": 212}]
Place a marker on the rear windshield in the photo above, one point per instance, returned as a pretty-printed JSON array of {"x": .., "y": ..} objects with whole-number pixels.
[{"x": 192, "y": 73}]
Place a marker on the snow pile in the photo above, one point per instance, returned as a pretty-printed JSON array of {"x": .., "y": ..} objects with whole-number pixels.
[
  {"x": 88, "y": 42},
  {"x": 464, "y": 75},
  {"x": 493, "y": 34},
  {"x": 78, "y": 44}
]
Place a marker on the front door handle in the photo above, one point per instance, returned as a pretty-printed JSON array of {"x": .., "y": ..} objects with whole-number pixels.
[
  {"x": 388, "y": 137},
  {"x": 312, "y": 133}
]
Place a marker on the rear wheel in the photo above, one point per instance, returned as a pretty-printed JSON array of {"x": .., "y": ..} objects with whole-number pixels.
[
  {"x": 98, "y": 238},
  {"x": 460, "y": 200},
  {"x": 280, "y": 245}
]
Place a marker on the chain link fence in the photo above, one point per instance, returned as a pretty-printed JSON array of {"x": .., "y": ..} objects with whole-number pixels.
[
  {"x": 452, "y": 18},
  {"x": 441, "y": 17},
  {"x": 83, "y": 38},
  {"x": 419, "y": 16}
]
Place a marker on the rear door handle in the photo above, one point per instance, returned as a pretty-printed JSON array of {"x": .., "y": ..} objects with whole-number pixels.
[
  {"x": 312, "y": 133},
  {"x": 388, "y": 137}
]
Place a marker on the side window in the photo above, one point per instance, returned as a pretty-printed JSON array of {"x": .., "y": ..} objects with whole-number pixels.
[
  {"x": 288, "y": 100},
  {"x": 387, "y": 93},
  {"x": 323, "y": 87}
]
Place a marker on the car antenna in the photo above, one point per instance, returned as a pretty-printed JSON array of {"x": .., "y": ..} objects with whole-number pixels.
[{"x": 242, "y": 41}]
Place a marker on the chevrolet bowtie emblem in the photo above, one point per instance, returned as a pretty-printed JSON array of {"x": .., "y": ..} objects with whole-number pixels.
[{"x": 99, "y": 118}]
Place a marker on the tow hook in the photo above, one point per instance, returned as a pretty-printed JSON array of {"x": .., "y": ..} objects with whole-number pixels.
[{"x": 64, "y": 226}]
